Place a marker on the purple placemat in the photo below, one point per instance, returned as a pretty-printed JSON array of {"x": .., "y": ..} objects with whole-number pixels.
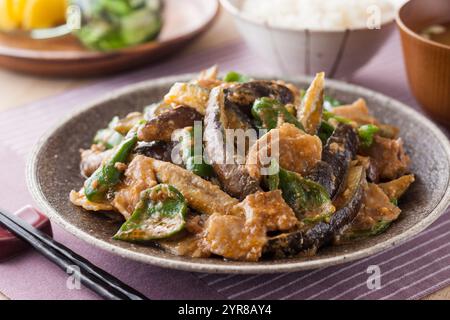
[{"x": 409, "y": 271}]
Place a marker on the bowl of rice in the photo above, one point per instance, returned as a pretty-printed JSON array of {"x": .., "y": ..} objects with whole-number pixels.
[{"x": 310, "y": 36}]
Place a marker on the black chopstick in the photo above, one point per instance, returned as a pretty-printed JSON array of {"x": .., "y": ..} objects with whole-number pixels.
[{"x": 96, "y": 279}]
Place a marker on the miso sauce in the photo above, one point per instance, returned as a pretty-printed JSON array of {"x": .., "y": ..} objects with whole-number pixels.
[{"x": 438, "y": 33}]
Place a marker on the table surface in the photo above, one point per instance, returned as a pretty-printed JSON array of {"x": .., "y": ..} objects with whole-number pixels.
[{"x": 15, "y": 85}]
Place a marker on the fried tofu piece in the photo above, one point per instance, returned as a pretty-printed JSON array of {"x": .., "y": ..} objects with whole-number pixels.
[
  {"x": 389, "y": 156},
  {"x": 396, "y": 188},
  {"x": 79, "y": 199},
  {"x": 271, "y": 208},
  {"x": 297, "y": 151},
  {"x": 243, "y": 234},
  {"x": 232, "y": 237},
  {"x": 377, "y": 208},
  {"x": 138, "y": 177}
]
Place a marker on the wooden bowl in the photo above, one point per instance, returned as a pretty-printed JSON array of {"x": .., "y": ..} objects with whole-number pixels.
[
  {"x": 427, "y": 62},
  {"x": 65, "y": 56}
]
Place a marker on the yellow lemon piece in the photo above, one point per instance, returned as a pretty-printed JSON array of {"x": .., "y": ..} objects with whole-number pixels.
[
  {"x": 44, "y": 13},
  {"x": 18, "y": 8},
  {"x": 7, "y": 22}
]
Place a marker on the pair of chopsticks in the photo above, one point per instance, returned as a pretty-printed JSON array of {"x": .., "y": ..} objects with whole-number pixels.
[{"x": 94, "y": 278}]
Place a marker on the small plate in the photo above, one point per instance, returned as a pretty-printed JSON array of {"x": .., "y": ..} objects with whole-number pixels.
[
  {"x": 53, "y": 171},
  {"x": 65, "y": 56}
]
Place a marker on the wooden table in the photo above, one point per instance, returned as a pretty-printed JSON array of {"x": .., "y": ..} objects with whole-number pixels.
[{"x": 18, "y": 89}]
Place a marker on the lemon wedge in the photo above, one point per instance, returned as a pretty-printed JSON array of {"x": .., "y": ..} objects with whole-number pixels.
[
  {"x": 7, "y": 21},
  {"x": 18, "y": 7},
  {"x": 43, "y": 13}
]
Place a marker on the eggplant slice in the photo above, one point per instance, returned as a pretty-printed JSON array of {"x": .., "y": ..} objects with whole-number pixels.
[
  {"x": 340, "y": 150},
  {"x": 159, "y": 150},
  {"x": 162, "y": 127},
  {"x": 244, "y": 95},
  {"x": 291, "y": 244},
  {"x": 234, "y": 177}
]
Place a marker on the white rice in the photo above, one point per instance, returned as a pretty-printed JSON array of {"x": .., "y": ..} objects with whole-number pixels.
[{"x": 318, "y": 14}]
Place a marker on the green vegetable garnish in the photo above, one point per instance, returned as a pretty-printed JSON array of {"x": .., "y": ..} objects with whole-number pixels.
[
  {"x": 325, "y": 131},
  {"x": 309, "y": 200},
  {"x": 330, "y": 103},
  {"x": 233, "y": 76},
  {"x": 327, "y": 115},
  {"x": 394, "y": 202},
  {"x": 108, "y": 175},
  {"x": 191, "y": 154},
  {"x": 273, "y": 181},
  {"x": 159, "y": 214},
  {"x": 377, "y": 229},
  {"x": 366, "y": 134},
  {"x": 268, "y": 112},
  {"x": 108, "y": 137}
]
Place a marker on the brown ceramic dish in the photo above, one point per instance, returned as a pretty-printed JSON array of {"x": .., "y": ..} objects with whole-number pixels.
[
  {"x": 427, "y": 62},
  {"x": 53, "y": 171},
  {"x": 65, "y": 56}
]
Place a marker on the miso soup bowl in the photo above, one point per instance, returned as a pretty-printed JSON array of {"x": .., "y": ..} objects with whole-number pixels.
[{"x": 427, "y": 62}]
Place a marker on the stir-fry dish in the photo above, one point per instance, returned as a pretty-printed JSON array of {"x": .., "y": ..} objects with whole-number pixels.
[{"x": 246, "y": 170}]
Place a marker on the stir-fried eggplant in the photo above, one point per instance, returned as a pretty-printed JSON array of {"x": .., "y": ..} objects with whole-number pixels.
[
  {"x": 338, "y": 153},
  {"x": 318, "y": 161},
  {"x": 162, "y": 127},
  {"x": 159, "y": 150},
  {"x": 244, "y": 95},
  {"x": 234, "y": 176},
  {"x": 291, "y": 244}
]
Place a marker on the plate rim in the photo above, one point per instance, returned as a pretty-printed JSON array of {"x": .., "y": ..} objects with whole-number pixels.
[
  {"x": 193, "y": 266},
  {"x": 87, "y": 55}
]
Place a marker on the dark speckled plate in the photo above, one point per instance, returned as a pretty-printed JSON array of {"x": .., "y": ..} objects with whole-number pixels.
[{"x": 53, "y": 172}]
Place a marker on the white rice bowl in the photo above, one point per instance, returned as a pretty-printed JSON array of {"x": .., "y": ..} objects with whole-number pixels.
[{"x": 319, "y": 14}]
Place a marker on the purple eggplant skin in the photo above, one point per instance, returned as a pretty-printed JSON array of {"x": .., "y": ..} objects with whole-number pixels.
[
  {"x": 340, "y": 150},
  {"x": 234, "y": 177},
  {"x": 159, "y": 150},
  {"x": 243, "y": 95},
  {"x": 291, "y": 244},
  {"x": 162, "y": 127}
]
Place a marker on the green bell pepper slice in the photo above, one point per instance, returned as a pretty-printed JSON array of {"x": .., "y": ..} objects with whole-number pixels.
[
  {"x": 309, "y": 200},
  {"x": 233, "y": 76},
  {"x": 191, "y": 154},
  {"x": 267, "y": 113},
  {"x": 366, "y": 134},
  {"x": 159, "y": 214},
  {"x": 108, "y": 175},
  {"x": 109, "y": 137}
]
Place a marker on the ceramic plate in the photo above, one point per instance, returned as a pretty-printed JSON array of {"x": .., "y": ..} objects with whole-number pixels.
[
  {"x": 53, "y": 171},
  {"x": 65, "y": 56}
]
